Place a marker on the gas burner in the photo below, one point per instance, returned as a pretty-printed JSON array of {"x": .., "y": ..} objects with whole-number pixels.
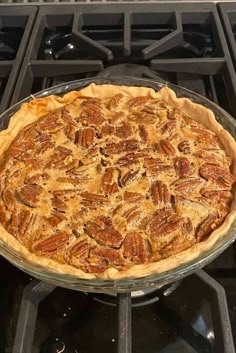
[
  {"x": 59, "y": 46},
  {"x": 197, "y": 44},
  {"x": 65, "y": 44},
  {"x": 134, "y": 70}
]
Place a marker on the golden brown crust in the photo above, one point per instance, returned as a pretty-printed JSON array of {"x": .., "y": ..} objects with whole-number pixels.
[{"x": 30, "y": 112}]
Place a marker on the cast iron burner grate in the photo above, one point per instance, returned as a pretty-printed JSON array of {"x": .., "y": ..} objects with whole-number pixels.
[
  {"x": 15, "y": 25},
  {"x": 192, "y": 318},
  {"x": 182, "y": 44},
  {"x": 228, "y": 16}
]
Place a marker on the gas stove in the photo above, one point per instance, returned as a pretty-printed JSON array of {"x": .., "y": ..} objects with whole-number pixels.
[{"x": 189, "y": 44}]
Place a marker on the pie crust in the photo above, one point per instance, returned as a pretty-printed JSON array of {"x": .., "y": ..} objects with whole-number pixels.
[{"x": 32, "y": 111}]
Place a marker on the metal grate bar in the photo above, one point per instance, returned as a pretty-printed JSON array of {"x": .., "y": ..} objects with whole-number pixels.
[
  {"x": 33, "y": 294},
  {"x": 203, "y": 66},
  {"x": 80, "y": 37},
  {"x": 124, "y": 324},
  {"x": 166, "y": 43},
  {"x": 228, "y": 16},
  {"x": 9, "y": 69},
  {"x": 215, "y": 294},
  {"x": 127, "y": 34}
]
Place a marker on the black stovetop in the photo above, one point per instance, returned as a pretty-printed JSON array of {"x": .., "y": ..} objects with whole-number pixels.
[{"x": 185, "y": 44}]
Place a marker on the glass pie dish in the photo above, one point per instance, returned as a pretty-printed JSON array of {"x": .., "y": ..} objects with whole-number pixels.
[{"x": 127, "y": 284}]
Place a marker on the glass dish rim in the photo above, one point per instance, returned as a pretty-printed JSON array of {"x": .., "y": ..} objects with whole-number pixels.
[{"x": 125, "y": 284}]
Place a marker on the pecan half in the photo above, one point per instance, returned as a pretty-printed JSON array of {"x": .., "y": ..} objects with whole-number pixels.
[
  {"x": 63, "y": 192},
  {"x": 122, "y": 146},
  {"x": 163, "y": 223},
  {"x": 165, "y": 147},
  {"x": 44, "y": 142},
  {"x": 37, "y": 178},
  {"x": 67, "y": 117},
  {"x": 60, "y": 154},
  {"x": 218, "y": 175},
  {"x": 114, "y": 102},
  {"x": 28, "y": 220},
  {"x": 35, "y": 163},
  {"x": 29, "y": 194},
  {"x": 107, "y": 130},
  {"x": 52, "y": 243},
  {"x": 137, "y": 101},
  {"x": 182, "y": 166},
  {"x": 22, "y": 151},
  {"x": 55, "y": 218},
  {"x": 51, "y": 123},
  {"x": 81, "y": 173},
  {"x": 71, "y": 180},
  {"x": 155, "y": 166},
  {"x": 222, "y": 210},
  {"x": 3, "y": 218},
  {"x": 160, "y": 193},
  {"x": 93, "y": 198},
  {"x": 208, "y": 225},
  {"x": 204, "y": 134},
  {"x": 95, "y": 268},
  {"x": 109, "y": 181},
  {"x": 174, "y": 113},
  {"x": 209, "y": 156},
  {"x": 143, "y": 133},
  {"x": 132, "y": 196},
  {"x": 103, "y": 232},
  {"x": 69, "y": 131},
  {"x": 13, "y": 223},
  {"x": 128, "y": 177},
  {"x": 14, "y": 173},
  {"x": 188, "y": 226},
  {"x": 143, "y": 117},
  {"x": 124, "y": 131},
  {"x": 8, "y": 199},
  {"x": 134, "y": 248},
  {"x": 132, "y": 214},
  {"x": 130, "y": 159},
  {"x": 168, "y": 128},
  {"x": 178, "y": 244},
  {"x": 58, "y": 204},
  {"x": 81, "y": 249},
  {"x": 85, "y": 137},
  {"x": 185, "y": 186},
  {"x": 70, "y": 167},
  {"x": 216, "y": 195},
  {"x": 91, "y": 116},
  {"x": 109, "y": 256},
  {"x": 91, "y": 102},
  {"x": 184, "y": 146}
]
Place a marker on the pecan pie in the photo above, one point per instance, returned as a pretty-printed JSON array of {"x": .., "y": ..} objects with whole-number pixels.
[{"x": 115, "y": 181}]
